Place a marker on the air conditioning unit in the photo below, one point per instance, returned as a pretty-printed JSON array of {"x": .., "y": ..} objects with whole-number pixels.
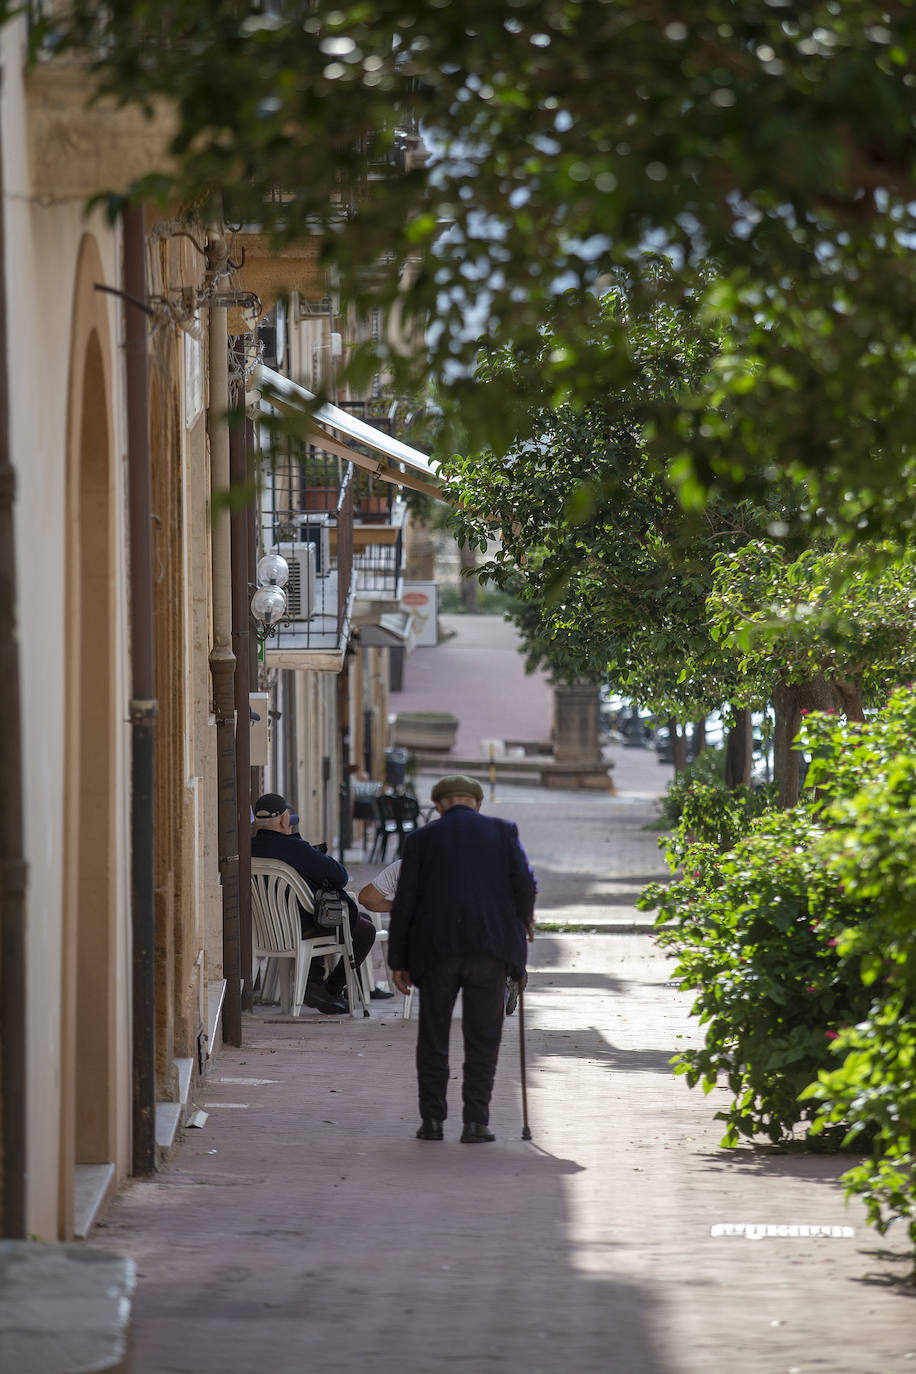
[
  {"x": 300, "y": 589},
  {"x": 315, "y": 528}
]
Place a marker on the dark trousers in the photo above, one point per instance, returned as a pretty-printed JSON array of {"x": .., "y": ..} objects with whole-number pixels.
[
  {"x": 481, "y": 980},
  {"x": 362, "y": 932}
]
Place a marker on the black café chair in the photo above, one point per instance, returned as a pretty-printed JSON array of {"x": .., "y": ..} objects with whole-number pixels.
[
  {"x": 386, "y": 825},
  {"x": 407, "y": 817}
]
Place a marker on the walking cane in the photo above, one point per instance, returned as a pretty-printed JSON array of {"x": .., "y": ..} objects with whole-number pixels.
[{"x": 526, "y": 1129}]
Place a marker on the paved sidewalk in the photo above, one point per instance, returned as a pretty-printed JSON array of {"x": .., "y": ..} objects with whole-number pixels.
[
  {"x": 304, "y": 1228},
  {"x": 593, "y": 852}
]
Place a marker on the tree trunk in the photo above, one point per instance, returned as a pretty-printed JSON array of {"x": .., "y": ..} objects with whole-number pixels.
[
  {"x": 790, "y": 701},
  {"x": 699, "y": 738},
  {"x": 849, "y": 695},
  {"x": 468, "y": 586},
  {"x": 678, "y": 746},
  {"x": 739, "y": 749},
  {"x": 787, "y": 714}
]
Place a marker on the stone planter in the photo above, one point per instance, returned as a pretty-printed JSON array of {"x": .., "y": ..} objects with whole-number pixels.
[{"x": 424, "y": 730}]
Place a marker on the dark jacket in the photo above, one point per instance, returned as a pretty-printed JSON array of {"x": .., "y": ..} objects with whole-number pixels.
[
  {"x": 464, "y": 888},
  {"x": 309, "y": 862}
]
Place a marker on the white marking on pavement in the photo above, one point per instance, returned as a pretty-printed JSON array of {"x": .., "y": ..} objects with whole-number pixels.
[{"x": 757, "y": 1230}]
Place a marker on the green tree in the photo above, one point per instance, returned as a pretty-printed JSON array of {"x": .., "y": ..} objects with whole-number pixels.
[
  {"x": 612, "y": 575},
  {"x": 823, "y": 631},
  {"x": 567, "y": 137}
]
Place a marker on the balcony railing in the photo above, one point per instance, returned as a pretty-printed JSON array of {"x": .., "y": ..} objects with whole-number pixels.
[
  {"x": 307, "y": 518},
  {"x": 378, "y": 571}
]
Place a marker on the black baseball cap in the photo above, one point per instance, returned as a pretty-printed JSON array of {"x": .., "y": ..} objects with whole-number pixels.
[{"x": 269, "y": 806}]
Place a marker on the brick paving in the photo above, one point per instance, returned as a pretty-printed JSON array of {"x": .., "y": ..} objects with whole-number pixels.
[{"x": 304, "y": 1228}]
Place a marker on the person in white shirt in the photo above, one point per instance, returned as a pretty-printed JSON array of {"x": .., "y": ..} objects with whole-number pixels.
[{"x": 379, "y": 894}]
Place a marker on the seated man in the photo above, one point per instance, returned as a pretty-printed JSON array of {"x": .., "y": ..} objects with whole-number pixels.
[{"x": 276, "y": 839}]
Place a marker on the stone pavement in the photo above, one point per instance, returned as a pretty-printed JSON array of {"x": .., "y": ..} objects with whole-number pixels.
[{"x": 304, "y": 1228}]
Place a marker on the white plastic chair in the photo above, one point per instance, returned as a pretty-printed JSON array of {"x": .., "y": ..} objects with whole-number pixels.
[
  {"x": 381, "y": 942},
  {"x": 277, "y": 892}
]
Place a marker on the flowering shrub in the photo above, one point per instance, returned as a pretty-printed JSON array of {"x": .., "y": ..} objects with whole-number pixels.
[
  {"x": 800, "y": 944},
  {"x": 867, "y": 777},
  {"x": 719, "y": 816},
  {"x": 753, "y": 934},
  {"x": 707, "y": 768}
]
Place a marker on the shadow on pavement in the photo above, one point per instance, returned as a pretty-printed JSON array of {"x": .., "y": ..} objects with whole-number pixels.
[
  {"x": 571, "y": 978},
  {"x": 767, "y": 1161}
]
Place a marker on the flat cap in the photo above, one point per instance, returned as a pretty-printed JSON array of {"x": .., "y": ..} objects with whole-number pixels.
[{"x": 457, "y": 785}]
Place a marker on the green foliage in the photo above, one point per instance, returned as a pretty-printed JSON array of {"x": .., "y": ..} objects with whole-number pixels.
[
  {"x": 752, "y": 930},
  {"x": 800, "y": 944},
  {"x": 490, "y": 600},
  {"x": 871, "y": 1097},
  {"x": 708, "y": 768},
  {"x": 612, "y": 576},
  {"x": 713, "y": 814},
  {"x": 773, "y": 142},
  {"x": 866, "y": 778},
  {"x": 824, "y": 611}
]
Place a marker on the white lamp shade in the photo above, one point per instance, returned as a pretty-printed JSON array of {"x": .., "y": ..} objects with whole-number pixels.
[
  {"x": 273, "y": 571},
  {"x": 268, "y": 605}
]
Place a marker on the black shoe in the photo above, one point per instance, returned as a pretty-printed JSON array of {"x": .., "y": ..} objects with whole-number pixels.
[
  {"x": 317, "y": 996},
  {"x": 475, "y": 1134},
  {"x": 429, "y": 1129},
  {"x": 379, "y": 994}
]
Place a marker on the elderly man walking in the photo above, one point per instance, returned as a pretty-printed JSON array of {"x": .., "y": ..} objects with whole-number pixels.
[{"x": 462, "y": 911}]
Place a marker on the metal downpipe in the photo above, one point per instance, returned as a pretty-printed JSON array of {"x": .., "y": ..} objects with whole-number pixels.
[
  {"x": 222, "y": 659},
  {"x": 143, "y": 705},
  {"x": 241, "y": 644}
]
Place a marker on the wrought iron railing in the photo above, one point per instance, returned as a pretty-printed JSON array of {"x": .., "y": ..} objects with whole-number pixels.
[
  {"x": 378, "y": 570},
  {"x": 307, "y": 518}
]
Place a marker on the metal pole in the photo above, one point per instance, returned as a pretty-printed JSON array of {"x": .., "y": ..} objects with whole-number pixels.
[
  {"x": 492, "y": 771},
  {"x": 526, "y": 1129},
  {"x": 143, "y": 704},
  {"x": 13, "y": 871}
]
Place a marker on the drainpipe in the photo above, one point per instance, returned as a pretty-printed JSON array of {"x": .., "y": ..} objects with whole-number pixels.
[
  {"x": 143, "y": 704},
  {"x": 239, "y": 522},
  {"x": 222, "y": 659},
  {"x": 12, "y": 855}
]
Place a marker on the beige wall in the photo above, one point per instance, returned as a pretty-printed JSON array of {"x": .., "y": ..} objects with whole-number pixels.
[
  {"x": 54, "y": 258},
  {"x": 68, "y": 437}
]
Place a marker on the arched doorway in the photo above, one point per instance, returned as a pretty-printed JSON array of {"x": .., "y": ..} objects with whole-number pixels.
[{"x": 88, "y": 1000}]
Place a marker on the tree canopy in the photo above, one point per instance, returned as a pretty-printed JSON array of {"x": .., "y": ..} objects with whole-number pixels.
[{"x": 572, "y": 142}]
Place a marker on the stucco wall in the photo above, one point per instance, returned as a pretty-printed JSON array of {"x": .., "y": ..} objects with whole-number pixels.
[{"x": 43, "y": 241}]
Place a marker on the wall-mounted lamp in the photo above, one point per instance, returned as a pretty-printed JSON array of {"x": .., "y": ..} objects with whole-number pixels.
[{"x": 268, "y": 605}]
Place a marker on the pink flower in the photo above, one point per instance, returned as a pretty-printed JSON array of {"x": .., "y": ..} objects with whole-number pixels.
[
  {"x": 810, "y": 988},
  {"x": 831, "y": 1035},
  {"x": 832, "y": 943}
]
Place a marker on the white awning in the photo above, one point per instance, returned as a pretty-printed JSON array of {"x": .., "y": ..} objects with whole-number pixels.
[{"x": 417, "y": 471}]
